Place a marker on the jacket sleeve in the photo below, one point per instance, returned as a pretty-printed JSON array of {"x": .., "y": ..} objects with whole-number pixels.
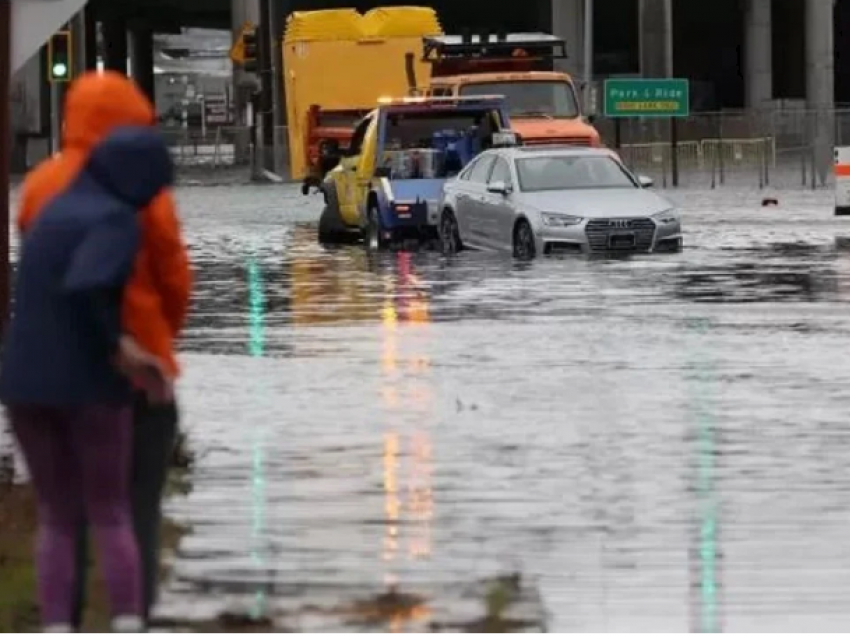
[
  {"x": 169, "y": 259},
  {"x": 99, "y": 270}
]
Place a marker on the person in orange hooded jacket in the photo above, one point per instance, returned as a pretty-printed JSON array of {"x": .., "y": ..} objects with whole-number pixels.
[{"x": 156, "y": 300}]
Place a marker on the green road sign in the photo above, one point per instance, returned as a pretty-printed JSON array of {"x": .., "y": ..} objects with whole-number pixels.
[{"x": 647, "y": 98}]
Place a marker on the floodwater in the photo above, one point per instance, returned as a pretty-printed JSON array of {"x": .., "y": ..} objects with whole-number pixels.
[{"x": 653, "y": 443}]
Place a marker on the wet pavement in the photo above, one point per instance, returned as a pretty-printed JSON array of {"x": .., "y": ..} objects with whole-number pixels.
[{"x": 655, "y": 443}]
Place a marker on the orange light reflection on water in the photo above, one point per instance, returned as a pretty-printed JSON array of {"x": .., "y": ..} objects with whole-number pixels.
[{"x": 408, "y": 507}]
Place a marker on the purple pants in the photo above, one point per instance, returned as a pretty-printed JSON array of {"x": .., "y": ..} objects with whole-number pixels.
[{"x": 79, "y": 460}]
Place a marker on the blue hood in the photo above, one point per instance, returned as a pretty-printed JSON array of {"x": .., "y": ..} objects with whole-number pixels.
[{"x": 133, "y": 163}]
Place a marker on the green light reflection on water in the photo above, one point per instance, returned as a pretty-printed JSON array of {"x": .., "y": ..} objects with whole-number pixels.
[
  {"x": 256, "y": 348},
  {"x": 708, "y": 521}
]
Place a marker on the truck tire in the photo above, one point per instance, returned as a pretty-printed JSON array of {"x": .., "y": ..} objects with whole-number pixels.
[
  {"x": 373, "y": 235},
  {"x": 331, "y": 227}
]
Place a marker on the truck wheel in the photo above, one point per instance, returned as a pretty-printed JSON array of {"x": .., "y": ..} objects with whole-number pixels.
[
  {"x": 331, "y": 227},
  {"x": 374, "y": 233},
  {"x": 450, "y": 242}
]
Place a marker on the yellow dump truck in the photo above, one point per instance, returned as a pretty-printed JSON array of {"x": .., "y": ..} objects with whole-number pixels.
[{"x": 337, "y": 64}]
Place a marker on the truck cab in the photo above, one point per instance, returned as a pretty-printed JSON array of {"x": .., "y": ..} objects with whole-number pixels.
[
  {"x": 544, "y": 105},
  {"x": 388, "y": 184}
]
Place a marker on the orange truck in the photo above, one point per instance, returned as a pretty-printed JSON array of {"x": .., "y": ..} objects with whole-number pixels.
[{"x": 544, "y": 105}]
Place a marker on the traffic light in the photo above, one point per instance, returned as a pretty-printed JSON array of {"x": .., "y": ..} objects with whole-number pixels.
[
  {"x": 251, "y": 48},
  {"x": 59, "y": 57}
]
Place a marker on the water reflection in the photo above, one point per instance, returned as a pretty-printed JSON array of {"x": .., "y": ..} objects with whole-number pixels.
[
  {"x": 405, "y": 392},
  {"x": 705, "y": 552},
  {"x": 256, "y": 304},
  {"x": 563, "y": 459}
]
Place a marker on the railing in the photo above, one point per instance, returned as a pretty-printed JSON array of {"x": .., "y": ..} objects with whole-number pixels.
[
  {"x": 774, "y": 148},
  {"x": 214, "y": 149},
  {"x": 777, "y": 149},
  {"x": 210, "y": 148}
]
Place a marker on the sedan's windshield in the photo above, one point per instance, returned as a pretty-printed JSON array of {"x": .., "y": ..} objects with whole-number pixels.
[
  {"x": 571, "y": 172},
  {"x": 531, "y": 99}
]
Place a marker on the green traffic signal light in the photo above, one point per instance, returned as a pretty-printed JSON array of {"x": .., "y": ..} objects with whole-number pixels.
[{"x": 59, "y": 57}]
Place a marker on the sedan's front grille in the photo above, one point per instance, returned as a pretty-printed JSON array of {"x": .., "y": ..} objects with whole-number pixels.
[{"x": 599, "y": 232}]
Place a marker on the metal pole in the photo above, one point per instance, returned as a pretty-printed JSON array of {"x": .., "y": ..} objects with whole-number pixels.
[
  {"x": 54, "y": 118},
  {"x": 588, "y": 55},
  {"x": 668, "y": 72},
  {"x": 279, "y": 11},
  {"x": 5, "y": 155},
  {"x": 668, "y": 38},
  {"x": 266, "y": 105}
]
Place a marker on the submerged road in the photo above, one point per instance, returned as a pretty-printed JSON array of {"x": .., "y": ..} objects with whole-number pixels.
[{"x": 653, "y": 443}]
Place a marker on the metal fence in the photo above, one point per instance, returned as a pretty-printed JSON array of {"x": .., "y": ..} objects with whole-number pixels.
[
  {"x": 762, "y": 149},
  {"x": 768, "y": 149},
  {"x": 226, "y": 153},
  {"x": 211, "y": 148}
]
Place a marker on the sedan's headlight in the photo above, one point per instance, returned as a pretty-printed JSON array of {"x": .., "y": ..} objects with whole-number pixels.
[
  {"x": 560, "y": 220},
  {"x": 667, "y": 217}
]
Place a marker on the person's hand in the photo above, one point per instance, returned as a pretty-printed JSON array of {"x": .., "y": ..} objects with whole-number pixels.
[
  {"x": 131, "y": 358},
  {"x": 158, "y": 387},
  {"x": 145, "y": 371}
]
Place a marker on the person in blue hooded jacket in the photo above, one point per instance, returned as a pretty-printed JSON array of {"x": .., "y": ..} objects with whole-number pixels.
[{"x": 66, "y": 370}]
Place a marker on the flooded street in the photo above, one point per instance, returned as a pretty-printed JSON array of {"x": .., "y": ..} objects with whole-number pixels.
[{"x": 653, "y": 443}]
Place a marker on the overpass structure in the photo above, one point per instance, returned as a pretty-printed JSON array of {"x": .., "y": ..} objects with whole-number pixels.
[{"x": 737, "y": 53}]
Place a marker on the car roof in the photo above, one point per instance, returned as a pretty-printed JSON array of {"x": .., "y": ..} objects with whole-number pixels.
[{"x": 523, "y": 152}]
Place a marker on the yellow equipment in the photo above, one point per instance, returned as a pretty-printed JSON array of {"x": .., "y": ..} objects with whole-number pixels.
[{"x": 338, "y": 63}]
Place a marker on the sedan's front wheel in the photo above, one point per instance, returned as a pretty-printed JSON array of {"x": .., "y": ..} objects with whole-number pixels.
[
  {"x": 450, "y": 242},
  {"x": 524, "y": 246}
]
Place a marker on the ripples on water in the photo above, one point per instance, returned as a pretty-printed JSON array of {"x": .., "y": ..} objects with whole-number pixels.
[{"x": 656, "y": 443}]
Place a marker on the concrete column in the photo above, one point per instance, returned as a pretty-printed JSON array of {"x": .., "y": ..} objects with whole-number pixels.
[
  {"x": 142, "y": 60},
  {"x": 656, "y": 38},
  {"x": 568, "y": 23},
  {"x": 115, "y": 44},
  {"x": 820, "y": 81},
  {"x": 759, "y": 53}
]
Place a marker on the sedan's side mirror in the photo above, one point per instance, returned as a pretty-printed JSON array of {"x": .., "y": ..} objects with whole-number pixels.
[
  {"x": 499, "y": 187},
  {"x": 645, "y": 182}
]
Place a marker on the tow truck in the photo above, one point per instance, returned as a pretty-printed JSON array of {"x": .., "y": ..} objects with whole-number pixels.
[
  {"x": 544, "y": 104},
  {"x": 387, "y": 186}
]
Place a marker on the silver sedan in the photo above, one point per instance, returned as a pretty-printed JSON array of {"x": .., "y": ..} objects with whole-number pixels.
[{"x": 546, "y": 200}]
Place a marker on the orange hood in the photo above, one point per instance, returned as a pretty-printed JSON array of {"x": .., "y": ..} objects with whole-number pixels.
[
  {"x": 97, "y": 103},
  {"x": 556, "y": 129}
]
